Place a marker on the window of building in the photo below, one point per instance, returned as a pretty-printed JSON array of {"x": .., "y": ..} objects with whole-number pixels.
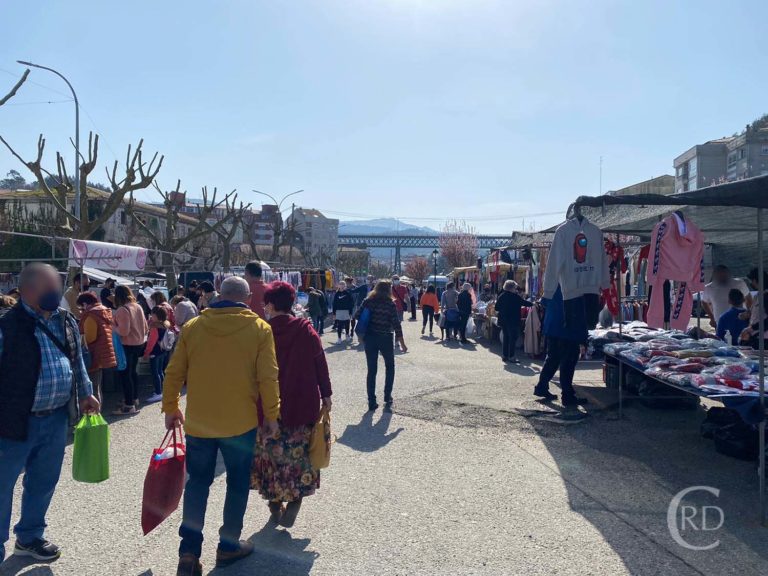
[
  {"x": 123, "y": 218},
  {"x": 692, "y": 167}
]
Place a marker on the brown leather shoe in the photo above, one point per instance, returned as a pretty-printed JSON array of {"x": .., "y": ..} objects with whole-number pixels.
[
  {"x": 224, "y": 558},
  {"x": 189, "y": 565}
]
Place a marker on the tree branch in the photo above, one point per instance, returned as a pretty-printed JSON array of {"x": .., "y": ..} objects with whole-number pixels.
[{"x": 15, "y": 89}]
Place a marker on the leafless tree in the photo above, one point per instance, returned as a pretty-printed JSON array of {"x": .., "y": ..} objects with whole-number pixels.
[
  {"x": 171, "y": 240},
  {"x": 352, "y": 261},
  {"x": 417, "y": 269},
  {"x": 138, "y": 175},
  {"x": 15, "y": 89},
  {"x": 380, "y": 269},
  {"x": 233, "y": 218},
  {"x": 458, "y": 244}
]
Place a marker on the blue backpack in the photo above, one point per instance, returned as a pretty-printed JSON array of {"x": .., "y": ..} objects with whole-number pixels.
[{"x": 362, "y": 324}]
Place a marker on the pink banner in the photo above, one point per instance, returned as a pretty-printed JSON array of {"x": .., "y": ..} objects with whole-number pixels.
[{"x": 105, "y": 256}]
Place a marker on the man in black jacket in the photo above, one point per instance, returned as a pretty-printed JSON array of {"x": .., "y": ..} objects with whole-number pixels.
[{"x": 41, "y": 370}]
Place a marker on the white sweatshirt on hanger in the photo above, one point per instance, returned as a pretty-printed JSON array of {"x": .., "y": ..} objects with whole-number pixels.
[{"x": 577, "y": 261}]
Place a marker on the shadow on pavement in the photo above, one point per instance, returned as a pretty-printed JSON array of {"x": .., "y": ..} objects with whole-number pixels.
[
  {"x": 622, "y": 476},
  {"x": 14, "y": 565},
  {"x": 276, "y": 552},
  {"x": 367, "y": 436}
]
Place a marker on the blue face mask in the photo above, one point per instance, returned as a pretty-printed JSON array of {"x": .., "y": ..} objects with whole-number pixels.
[{"x": 50, "y": 301}]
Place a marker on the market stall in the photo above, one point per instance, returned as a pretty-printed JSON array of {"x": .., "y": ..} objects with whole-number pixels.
[{"x": 736, "y": 236}]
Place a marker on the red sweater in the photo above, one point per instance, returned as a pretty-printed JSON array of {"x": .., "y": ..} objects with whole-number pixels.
[{"x": 303, "y": 371}]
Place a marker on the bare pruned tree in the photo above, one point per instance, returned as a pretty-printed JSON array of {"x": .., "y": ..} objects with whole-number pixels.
[
  {"x": 137, "y": 176},
  {"x": 173, "y": 239},
  {"x": 15, "y": 89},
  {"x": 233, "y": 219},
  {"x": 458, "y": 244}
]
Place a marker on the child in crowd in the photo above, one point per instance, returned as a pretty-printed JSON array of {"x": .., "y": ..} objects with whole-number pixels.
[
  {"x": 156, "y": 351},
  {"x": 730, "y": 321}
]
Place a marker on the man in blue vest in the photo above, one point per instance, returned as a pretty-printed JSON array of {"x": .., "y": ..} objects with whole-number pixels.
[{"x": 41, "y": 373}]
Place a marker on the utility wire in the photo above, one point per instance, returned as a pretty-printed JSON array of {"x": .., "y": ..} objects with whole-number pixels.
[{"x": 35, "y": 83}]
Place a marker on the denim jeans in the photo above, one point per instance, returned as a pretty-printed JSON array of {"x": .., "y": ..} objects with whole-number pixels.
[
  {"x": 157, "y": 366},
  {"x": 376, "y": 343},
  {"x": 40, "y": 457},
  {"x": 237, "y": 453},
  {"x": 562, "y": 355}
]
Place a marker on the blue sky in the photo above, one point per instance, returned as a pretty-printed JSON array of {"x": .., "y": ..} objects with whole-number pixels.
[{"x": 490, "y": 110}]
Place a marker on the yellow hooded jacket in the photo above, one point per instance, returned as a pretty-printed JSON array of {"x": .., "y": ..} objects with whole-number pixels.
[{"x": 226, "y": 356}]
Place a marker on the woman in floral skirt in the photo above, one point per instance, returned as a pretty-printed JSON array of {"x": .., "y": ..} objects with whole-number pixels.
[{"x": 282, "y": 471}]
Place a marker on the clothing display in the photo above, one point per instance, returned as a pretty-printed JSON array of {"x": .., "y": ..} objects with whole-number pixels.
[
  {"x": 709, "y": 367},
  {"x": 533, "y": 344},
  {"x": 677, "y": 252},
  {"x": 577, "y": 261}
]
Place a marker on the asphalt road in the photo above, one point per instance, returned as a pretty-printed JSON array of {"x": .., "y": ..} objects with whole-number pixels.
[{"x": 468, "y": 476}]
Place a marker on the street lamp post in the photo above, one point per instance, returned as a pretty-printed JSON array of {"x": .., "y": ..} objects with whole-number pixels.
[
  {"x": 77, "y": 131},
  {"x": 279, "y": 227},
  {"x": 435, "y": 252}
]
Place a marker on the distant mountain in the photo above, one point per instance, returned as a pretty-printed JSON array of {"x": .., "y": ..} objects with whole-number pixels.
[{"x": 384, "y": 226}]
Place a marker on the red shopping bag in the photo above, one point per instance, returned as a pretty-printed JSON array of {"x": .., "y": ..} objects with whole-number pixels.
[{"x": 164, "y": 482}]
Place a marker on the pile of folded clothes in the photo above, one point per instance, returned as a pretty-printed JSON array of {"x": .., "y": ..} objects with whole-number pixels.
[{"x": 710, "y": 366}]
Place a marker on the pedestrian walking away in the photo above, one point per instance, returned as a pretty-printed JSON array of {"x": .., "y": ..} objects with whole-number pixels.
[
  {"x": 400, "y": 296},
  {"x": 465, "y": 302},
  {"x": 508, "y": 312},
  {"x": 253, "y": 275},
  {"x": 449, "y": 307},
  {"x": 131, "y": 326},
  {"x": 384, "y": 321},
  {"x": 282, "y": 471},
  {"x": 42, "y": 372},
  {"x": 429, "y": 306},
  {"x": 96, "y": 329},
  {"x": 226, "y": 358},
  {"x": 315, "y": 309},
  {"x": 343, "y": 306}
]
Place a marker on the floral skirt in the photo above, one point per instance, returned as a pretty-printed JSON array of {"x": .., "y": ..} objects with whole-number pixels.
[{"x": 281, "y": 470}]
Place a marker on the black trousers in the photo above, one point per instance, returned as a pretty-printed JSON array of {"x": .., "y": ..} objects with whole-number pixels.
[
  {"x": 383, "y": 344},
  {"x": 510, "y": 333},
  {"x": 342, "y": 326},
  {"x": 129, "y": 377},
  {"x": 463, "y": 319},
  {"x": 562, "y": 355},
  {"x": 429, "y": 315},
  {"x": 413, "y": 308}
]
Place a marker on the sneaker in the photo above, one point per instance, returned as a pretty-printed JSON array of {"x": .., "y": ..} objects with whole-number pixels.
[
  {"x": 153, "y": 399},
  {"x": 338, "y": 342},
  {"x": 189, "y": 565},
  {"x": 575, "y": 401},
  {"x": 373, "y": 407},
  {"x": 226, "y": 558},
  {"x": 38, "y": 549},
  {"x": 125, "y": 411}
]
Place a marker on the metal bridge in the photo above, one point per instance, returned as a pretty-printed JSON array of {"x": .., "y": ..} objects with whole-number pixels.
[{"x": 406, "y": 241}]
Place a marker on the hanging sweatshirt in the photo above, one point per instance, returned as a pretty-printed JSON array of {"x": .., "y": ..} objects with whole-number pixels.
[
  {"x": 676, "y": 256},
  {"x": 577, "y": 261}
]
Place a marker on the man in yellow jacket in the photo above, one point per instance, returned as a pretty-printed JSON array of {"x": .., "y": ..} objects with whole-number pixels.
[{"x": 226, "y": 357}]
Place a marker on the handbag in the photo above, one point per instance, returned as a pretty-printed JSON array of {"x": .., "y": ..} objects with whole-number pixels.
[
  {"x": 362, "y": 324},
  {"x": 90, "y": 454},
  {"x": 320, "y": 441},
  {"x": 164, "y": 482},
  {"x": 122, "y": 362},
  {"x": 442, "y": 320},
  {"x": 452, "y": 315}
]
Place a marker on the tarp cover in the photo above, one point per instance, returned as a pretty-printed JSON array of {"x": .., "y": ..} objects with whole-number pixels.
[{"x": 725, "y": 213}]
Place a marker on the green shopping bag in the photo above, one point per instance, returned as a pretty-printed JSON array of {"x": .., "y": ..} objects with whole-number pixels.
[{"x": 90, "y": 455}]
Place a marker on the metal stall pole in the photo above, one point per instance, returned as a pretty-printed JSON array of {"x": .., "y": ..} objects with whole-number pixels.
[
  {"x": 619, "y": 288},
  {"x": 761, "y": 340}
]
